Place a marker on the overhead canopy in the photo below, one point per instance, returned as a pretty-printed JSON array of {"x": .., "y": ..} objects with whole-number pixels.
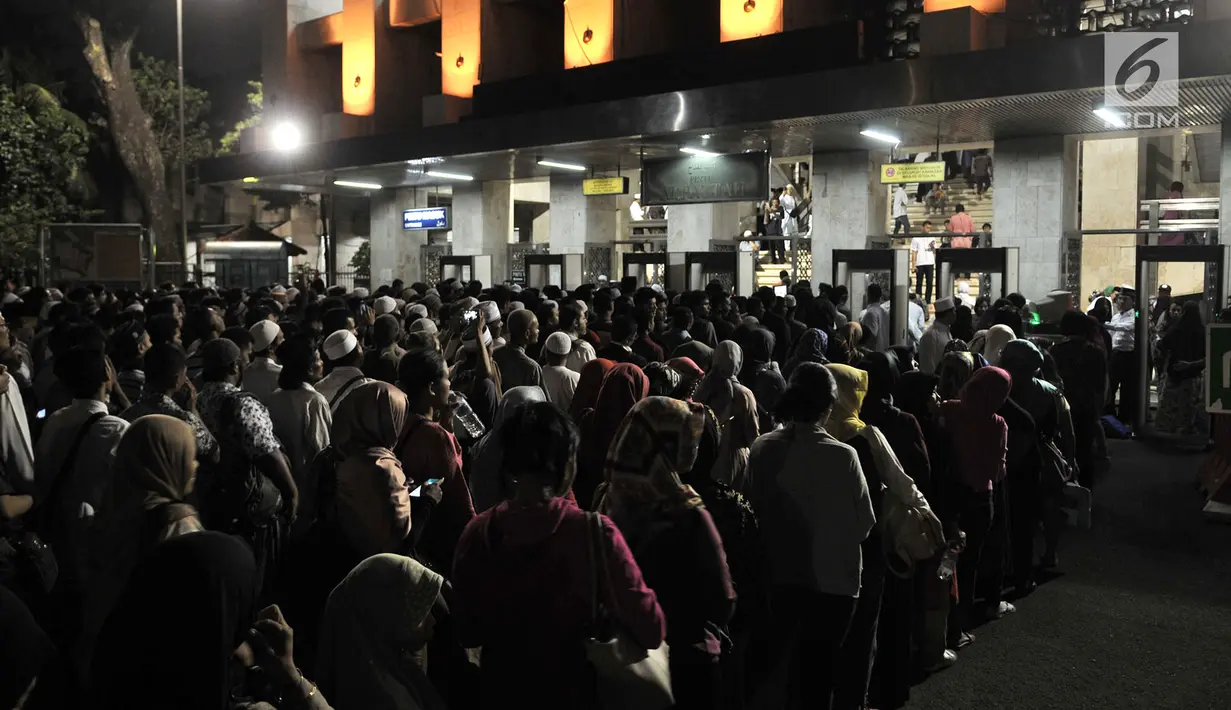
[{"x": 256, "y": 237}]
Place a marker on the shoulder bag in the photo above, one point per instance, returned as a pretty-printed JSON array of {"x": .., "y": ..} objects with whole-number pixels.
[
  {"x": 629, "y": 676},
  {"x": 236, "y": 494}
]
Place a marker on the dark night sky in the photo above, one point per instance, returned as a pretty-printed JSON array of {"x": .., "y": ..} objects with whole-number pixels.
[{"x": 222, "y": 49}]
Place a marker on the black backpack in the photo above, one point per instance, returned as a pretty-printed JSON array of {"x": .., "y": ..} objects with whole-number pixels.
[{"x": 235, "y": 495}]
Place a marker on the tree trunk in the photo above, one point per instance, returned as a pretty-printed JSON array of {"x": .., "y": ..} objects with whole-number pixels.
[{"x": 132, "y": 132}]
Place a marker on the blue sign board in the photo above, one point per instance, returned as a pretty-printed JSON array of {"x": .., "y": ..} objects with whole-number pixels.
[{"x": 425, "y": 218}]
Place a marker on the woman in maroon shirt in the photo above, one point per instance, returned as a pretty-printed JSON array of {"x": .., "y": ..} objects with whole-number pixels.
[
  {"x": 674, "y": 539},
  {"x": 522, "y": 577}
]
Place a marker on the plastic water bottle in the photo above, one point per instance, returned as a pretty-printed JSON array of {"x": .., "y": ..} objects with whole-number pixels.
[
  {"x": 465, "y": 421},
  {"x": 948, "y": 564}
]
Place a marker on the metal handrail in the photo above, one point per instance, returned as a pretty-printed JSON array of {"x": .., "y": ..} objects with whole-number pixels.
[
  {"x": 1130, "y": 230},
  {"x": 1190, "y": 203}
]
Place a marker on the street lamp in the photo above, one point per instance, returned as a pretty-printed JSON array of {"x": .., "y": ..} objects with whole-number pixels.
[{"x": 179, "y": 35}]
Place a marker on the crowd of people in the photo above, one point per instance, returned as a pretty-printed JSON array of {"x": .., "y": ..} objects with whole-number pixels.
[{"x": 463, "y": 496}]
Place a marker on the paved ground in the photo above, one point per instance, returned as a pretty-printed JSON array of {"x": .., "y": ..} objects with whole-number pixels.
[{"x": 1140, "y": 617}]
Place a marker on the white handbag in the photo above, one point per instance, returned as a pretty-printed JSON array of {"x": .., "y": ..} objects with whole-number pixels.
[{"x": 628, "y": 676}]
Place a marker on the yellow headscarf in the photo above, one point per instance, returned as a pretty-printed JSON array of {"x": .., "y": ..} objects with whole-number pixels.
[{"x": 844, "y": 422}]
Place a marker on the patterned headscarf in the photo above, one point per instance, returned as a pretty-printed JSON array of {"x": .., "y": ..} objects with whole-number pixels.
[
  {"x": 656, "y": 444},
  {"x": 955, "y": 370}
]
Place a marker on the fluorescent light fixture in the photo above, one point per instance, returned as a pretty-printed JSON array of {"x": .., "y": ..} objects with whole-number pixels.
[
  {"x": 562, "y": 166},
  {"x": 699, "y": 153},
  {"x": 286, "y": 137},
  {"x": 449, "y": 176},
  {"x": 360, "y": 185},
  {"x": 880, "y": 136},
  {"x": 1111, "y": 118},
  {"x": 252, "y": 179},
  {"x": 425, "y": 161}
]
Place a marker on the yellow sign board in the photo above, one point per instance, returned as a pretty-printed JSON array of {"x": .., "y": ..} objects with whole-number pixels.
[
  {"x": 913, "y": 172},
  {"x": 605, "y": 186}
]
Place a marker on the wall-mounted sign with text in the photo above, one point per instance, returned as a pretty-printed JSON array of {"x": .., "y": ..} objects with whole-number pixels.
[
  {"x": 605, "y": 186},
  {"x": 894, "y": 173},
  {"x": 738, "y": 177},
  {"x": 425, "y": 218}
]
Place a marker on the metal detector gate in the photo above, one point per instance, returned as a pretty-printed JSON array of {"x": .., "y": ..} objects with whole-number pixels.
[
  {"x": 859, "y": 268},
  {"x": 648, "y": 267},
  {"x": 1212, "y": 298},
  {"x": 996, "y": 268},
  {"x": 735, "y": 270},
  {"x": 467, "y": 268}
]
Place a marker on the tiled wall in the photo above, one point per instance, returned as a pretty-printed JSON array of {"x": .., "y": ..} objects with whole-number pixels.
[
  {"x": 847, "y": 206},
  {"x": 577, "y": 219},
  {"x": 1035, "y": 203}
]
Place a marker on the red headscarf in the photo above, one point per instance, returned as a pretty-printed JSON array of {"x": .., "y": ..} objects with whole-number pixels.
[
  {"x": 623, "y": 387},
  {"x": 588, "y": 385},
  {"x": 686, "y": 367},
  {"x": 978, "y": 435}
]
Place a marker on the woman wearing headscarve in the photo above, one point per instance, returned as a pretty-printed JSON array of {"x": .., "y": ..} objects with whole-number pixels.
[
  {"x": 1031, "y": 499},
  {"x": 955, "y": 371},
  {"x": 623, "y": 387},
  {"x": 973, "y": 471},
  {"x": 372, "y": 496},
  {"x": 487, "y": 485},
  {"x": 1081, "y": 363},
  {"x": 154, "y": 470},
  {"x": 673, "y": 539},
  {"x": 811, "y": 348},
  {"x": 205, "y": 584},
  {"x": 522, "y": 576},
  {"x": 760, "y": 373},
  {"x": 664, "y": 381},
  {"x": 718, "y": 387},
  {"x": 995, "y": 340},
  {"x": 690, "y": 377},
  {"x": 906, "y": 358},
  {"x": 737, "y": 436},
  {"x": 814, "y": 528},
  {"x": 377, "y": 624},
  {"x": 588, "y": 386},
  {"x": 1180, "y": 408},
  {"x": 851, "y": 335},
  {"x": 885, "y": 475}
]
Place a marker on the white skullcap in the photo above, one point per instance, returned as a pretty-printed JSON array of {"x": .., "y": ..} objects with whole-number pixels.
[
  {"x": 135, "y": 308},
  {"x": 9, "y": 298},
  {"x": 340, "y": 344},
  {"x": 582, "y": 305},
  {"x": 657, "y": 288},
  {"x": 424, "y": 325},
  {"x": 490, "y": 312},
  {"x": 291, "y": 293},
  {"x": 615, "y": 293},
  {"x": 516, "y": 306},
  {"x": 467, "y": 303},
  {"x": 470, "y": 344},
  {"x": 551, "y": 303},
  {"x": 515, "y": 288},
  {"x": 963, "y": 287},
  {"x": 278, "y": 290},
  {"x": 263, "y": 335},
  {"x": 409, "y": 293},
  {"x": 384, "y": 305},
  {"x": 417, "y": 309},
  {"x": 360, "y": 292},
  {"x": 559, "y": 343},
  {"x": 431, "y": 292},
  {"x": 788, "y": 301}
]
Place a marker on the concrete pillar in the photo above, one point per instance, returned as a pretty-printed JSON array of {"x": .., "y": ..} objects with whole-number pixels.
[
  {"x": 1109, "y": 185},
  {"x": 396, "y": 253},
  {"x": 691, "y": 227},
  {"x": 1034, "y": 204},
  {"x": 577, "y": 219},
  {"x": 483, "y": 222},
  {"x": 848, "y": 205},
  {"x": 1224, "y": 186}
]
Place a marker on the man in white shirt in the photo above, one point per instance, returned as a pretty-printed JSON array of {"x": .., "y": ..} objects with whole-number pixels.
[
  {"x": 924, "y": 249},
  {"x": 875, "y": 321},
  {"x": 916, "y": 321},
  {"x": 1122, "y": 367},
  {"x": 559, "y": 382},
  {"x": 261, "y": 375},
  {"x": 573, "y": 324},
  {"x": 16, "y": 449},
  {"x": 634, "y": 210},
  {"x": 900, "y": 220},
  {"x": 344, "y": 356},
  {"x": 937, "y": 336},
  {"x": 86, "y": 434},
  {"x": 788, "y": 203}
]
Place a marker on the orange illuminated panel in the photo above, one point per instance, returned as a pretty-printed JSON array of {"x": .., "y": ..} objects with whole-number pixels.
[
  {"x": 460, "y": 46},
  {"x": 985, "y": 6},
  {"x": 742, "y": 19},
  {"x": 589, "y": 31},
  {"x": 359, "y": 57}
]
